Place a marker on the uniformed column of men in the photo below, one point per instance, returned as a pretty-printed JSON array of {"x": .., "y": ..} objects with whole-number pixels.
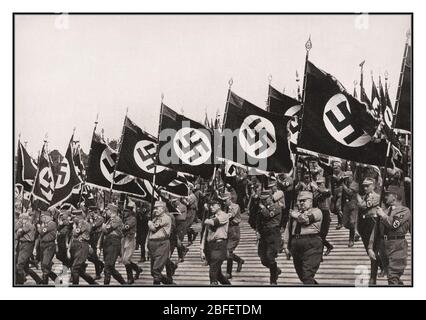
[{"x": 290, "y": 218}]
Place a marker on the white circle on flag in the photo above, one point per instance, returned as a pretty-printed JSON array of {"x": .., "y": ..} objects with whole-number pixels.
[
  {"x": 192, "y": 146},
  {"x": 257, "y": 137},
  {"x": 63, "y": 175},
  {"x": 337, "y": 122},
  {"x": 144, "y": 154},
  {"x": 107, "y": 164},
  {"x": 388, "y": 117},
  {"x": 47, "y": 184}
]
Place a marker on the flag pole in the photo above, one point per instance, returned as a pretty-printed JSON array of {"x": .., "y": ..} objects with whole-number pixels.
[
  {"x": 268, "y": 101},
  {"x": 398, "y": 97},
  {"x": 376, "y": 227},
  {"x": 157, "y": 152},
  {"x": 118, "y": 156},
  {"x": 308, "y": 47},
  {"x": 93, "y": 136}
]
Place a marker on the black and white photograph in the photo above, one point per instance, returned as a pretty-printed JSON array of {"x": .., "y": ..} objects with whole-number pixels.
[{"x": 212, "y": 149}]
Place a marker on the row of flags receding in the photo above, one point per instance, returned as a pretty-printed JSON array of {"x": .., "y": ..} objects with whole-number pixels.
[{"x": 329, "y": 121}]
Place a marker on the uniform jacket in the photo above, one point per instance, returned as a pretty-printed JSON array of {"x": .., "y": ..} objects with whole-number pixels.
[
  {"x": 234, "y": 214},
  {"x": 129, "y": 226},
  {"x": 113, "y": 227},
  {"x": 163, "y": 227},
  {"x": 219, "y": 231},
  {"x": 47, "y": 230},
  {"x": 25, "y": 230},
  {"x": 81, "y": 231},
  {"x": 268, "y": 217},
  {"x": 368, "y": 204}
]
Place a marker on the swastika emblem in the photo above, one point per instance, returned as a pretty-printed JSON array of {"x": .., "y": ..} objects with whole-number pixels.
[
  {"x": 293, "y": 130},
  {"x": 63, "y": 174},
  {"x": 388, "y": 117},
  {"x": 107, "y": 164},
  {"x": 257, "y": 137},
  {"x": 47, "y": 184},
  {"x": 192, "y": 146},
  {"x": 144, "y": 154},
  {"x": 337, "y": 120}
]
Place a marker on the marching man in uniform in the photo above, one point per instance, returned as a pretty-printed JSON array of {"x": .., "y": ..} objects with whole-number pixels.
[
  {"x": 395, "y": 222},
  {"x": 268, "y": 223},
  {"x": 367, "y": 215},
  {"x": 234, "y": 213},
  {"x": 159, "y": 241},
  {"x": 47, "y": 232},
  {"x": 25, "y": 235},
  {"x": 128, "y": 243},
  {"x": 216, "y": 235},
  {"x": 79, "y": 246},
  {"x": 111, "y": 244},
  {"x": 303, "y": 238}
]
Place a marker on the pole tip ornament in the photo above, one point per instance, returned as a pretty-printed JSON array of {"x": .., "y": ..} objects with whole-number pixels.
[
  {"x": 270, "y": 78},
  {"x": 162, "y": 96},
  {"x": 408, "y": 34},
  {"x": 230, "y": 83},
  {"x": 355, "y": 82},
  {"x": 362, "y": 64},
  {"x": 308, "y": 44},
  {"x": 386, "y": 75}
]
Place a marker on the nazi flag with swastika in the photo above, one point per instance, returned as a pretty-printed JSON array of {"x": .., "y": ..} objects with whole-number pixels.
[
  {"x": 102, "y": 160},
  {"x": 26, "y": 169},
  {"x": 282, "y": 104},
  {"x": 332, "y": 121},
  {"x": 185, "y": 145},
  {"x": 261, "y": 136},
  {"x": 138, "y": 151},
  {"x": 67, "y": 178},
  {"x": 44, "y": 183}
]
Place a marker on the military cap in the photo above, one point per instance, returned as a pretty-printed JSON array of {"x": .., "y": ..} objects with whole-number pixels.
[
  {"x": 303, "y": 195},
  {"x": 320, "y": 180},
  {"x": 214, "y": 200},
  {"x": 348, "y": 174},
  {"x": 272, "y": 184},
  {"x": 159, "y": 204},
  {"x": 394, "y": 190},
  {"x": 265, "y": 194},
  {"x": 113, "y": 208},
  {"x": 78, "y": 212},
  {"x": 337, "y": 161},
  {"x": 46, "y": 213},
  {"x": 225, "y": 196},
  {"x": 368, "y": 181}
]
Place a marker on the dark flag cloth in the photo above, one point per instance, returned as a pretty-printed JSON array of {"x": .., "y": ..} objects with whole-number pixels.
[
  {"x": 44, "y": 183},
  {"x": 102, "y": 161},
  {"x": 331, "y": 121},
  {"x": 375, "y": 100},
  {"x": 388, "y": 113},
  {"x": 26, "y": 169},
  {"x": 403, "y": 117},
  {"x": 261, "y": 136},
  {"x": 67, "y": 178},
  {"x": 383, "y": 102},
  {"x": 137, "y": 158},
  {"x": 185, "y": 145},
  {"x": 78, "y": 163},
  {"x": 280, "y": 103}
]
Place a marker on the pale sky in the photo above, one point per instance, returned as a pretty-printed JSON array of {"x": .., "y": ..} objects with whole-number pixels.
[{"x": 68, "y": 70}]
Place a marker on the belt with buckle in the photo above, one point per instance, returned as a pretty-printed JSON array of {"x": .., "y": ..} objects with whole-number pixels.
[
  {"x": 309, "y": 235},
  {"x": 393, "y": 237}
]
